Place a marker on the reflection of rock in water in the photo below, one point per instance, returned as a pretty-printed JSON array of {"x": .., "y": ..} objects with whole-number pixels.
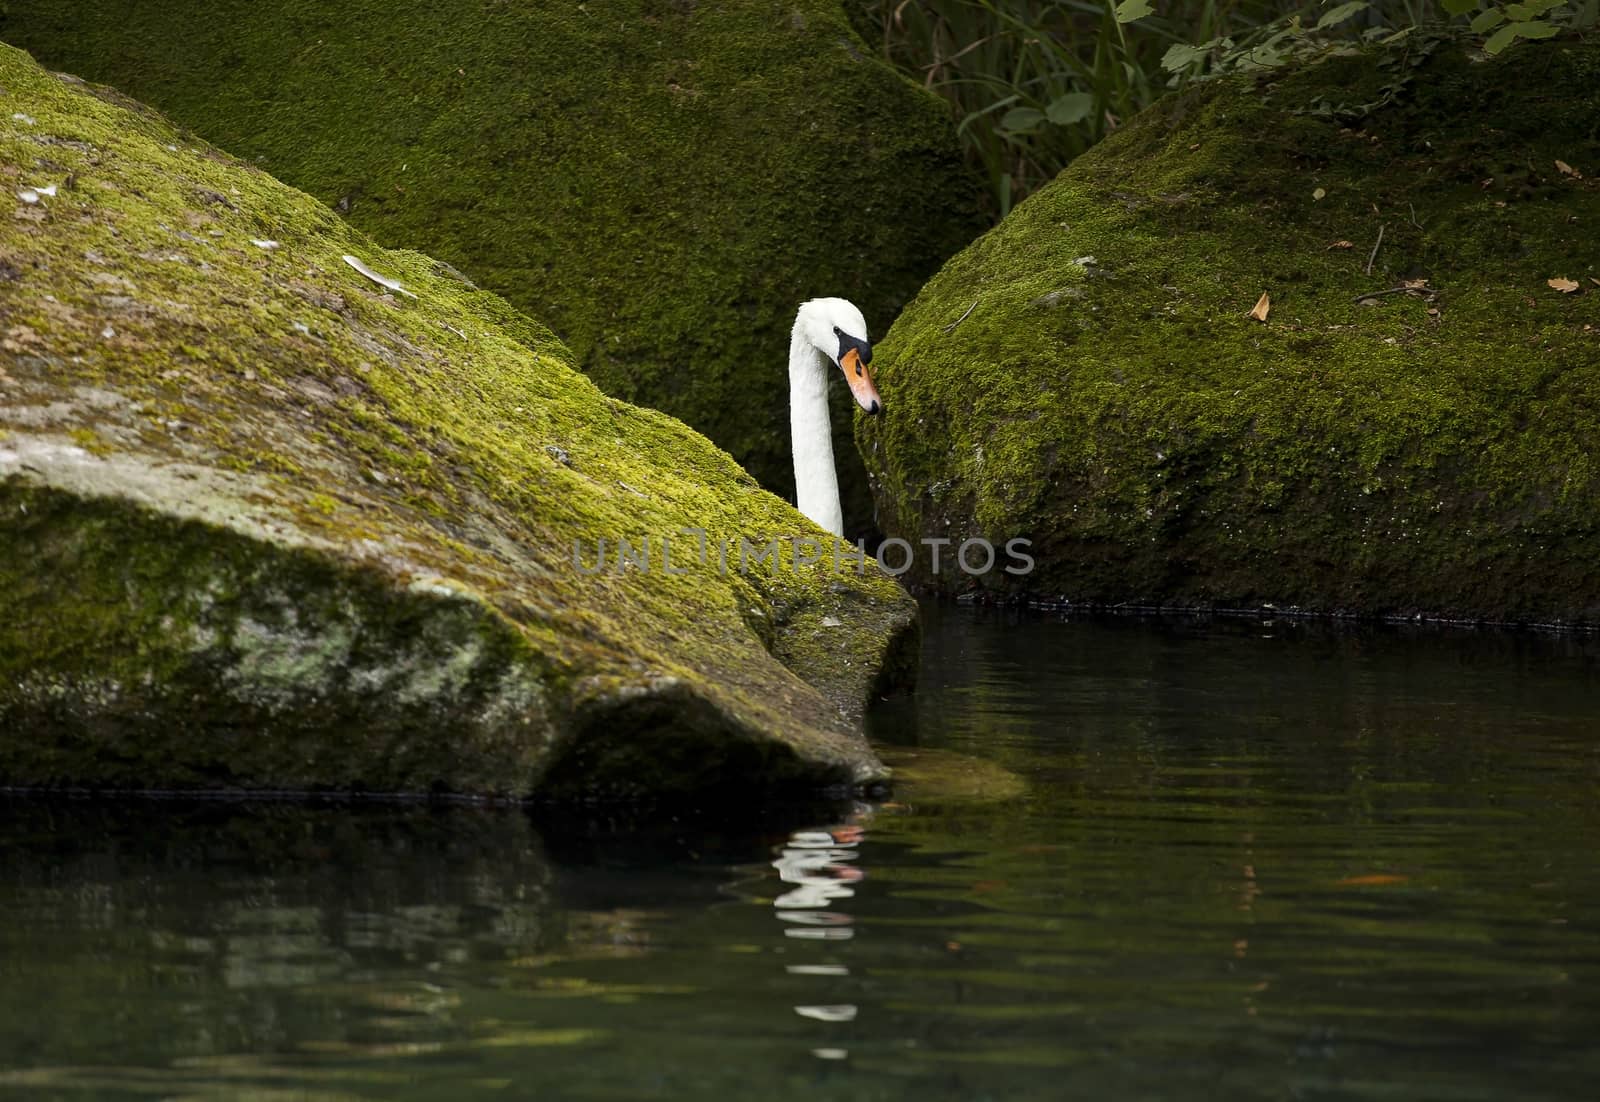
[
  {"x": 819, "y": 865},
  {"x": 270, "y": 921}
]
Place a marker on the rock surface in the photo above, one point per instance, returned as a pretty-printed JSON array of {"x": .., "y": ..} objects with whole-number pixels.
[
  {"x": 267, "y": 522},
  {"x": 660, "y": 181},
  {"x": 1088, "y": 375}
]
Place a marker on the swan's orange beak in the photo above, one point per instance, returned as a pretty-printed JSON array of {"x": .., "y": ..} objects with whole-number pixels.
[{"x": 855, "y": 373}]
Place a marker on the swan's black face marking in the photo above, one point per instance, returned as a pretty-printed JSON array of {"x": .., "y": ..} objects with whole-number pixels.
[{"x": 862, "y": 348}]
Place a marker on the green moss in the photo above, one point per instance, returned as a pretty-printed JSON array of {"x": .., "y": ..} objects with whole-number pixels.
[
  {"x": 1109, "y": 398},
  {"x": 662, "y": 182},
  {"x": 355, "y": 510},
  {"x": 89, "y": 440},
  {"x": 259, "y": 665}
]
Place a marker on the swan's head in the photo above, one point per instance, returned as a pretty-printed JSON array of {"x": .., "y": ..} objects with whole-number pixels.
[{"x": 836, "y": 328}]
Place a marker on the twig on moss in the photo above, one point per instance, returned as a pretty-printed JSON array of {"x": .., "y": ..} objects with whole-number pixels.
[
  {"x": 381, "y": 280},
  {"x": 1403, "y": 289},
  {"x": 951, "y": 328},
  {"x": 1374, "y": 254}
]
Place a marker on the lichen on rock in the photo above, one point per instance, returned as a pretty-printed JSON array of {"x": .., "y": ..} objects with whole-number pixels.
[
  {"x": 1087, "y": 375},
  {"x": 267, "y": 522},
  {"x": 660, "y": 181}
]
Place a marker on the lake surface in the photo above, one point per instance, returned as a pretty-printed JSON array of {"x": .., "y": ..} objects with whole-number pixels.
[{"x": 1199, "y": 859}]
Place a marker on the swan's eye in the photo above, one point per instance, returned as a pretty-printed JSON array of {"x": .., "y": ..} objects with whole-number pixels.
[{"x": 849, "y": 344}]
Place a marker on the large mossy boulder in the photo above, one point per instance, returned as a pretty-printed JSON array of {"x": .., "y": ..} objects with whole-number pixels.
[
  {"x": 268, "y": 522},
  {"x": 660, "y": 181},
  {"x": 1088, "y": 374}
]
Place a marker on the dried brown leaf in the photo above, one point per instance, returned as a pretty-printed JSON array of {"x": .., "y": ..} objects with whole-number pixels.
[
  {"x": 1342, "y": 245},
  {"x": 1263, "y": 305},
  {"x": 1565, "y": 286},
  {"x": 1567, "y": 170}
]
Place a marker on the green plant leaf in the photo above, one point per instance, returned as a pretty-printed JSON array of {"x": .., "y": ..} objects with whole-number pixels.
[
  {"x": 1539, "y": 29},
  {"x": 1182, "y": 57},
  {"x": 1265, "y": 56},
  {"x": 1070, "y": 108},
  {"x": 1586, "y": 16},
  {"x": 1502, "y": 38},
  {"x": 975, "y": 116},
  {"x": 1341, "y": 13},
  {"x": 1022, "y": 120},
  {"x": 1130, "y": 10},
  {"x": 1528, "y": 10},
  {"x": 1488, "y": 21}
]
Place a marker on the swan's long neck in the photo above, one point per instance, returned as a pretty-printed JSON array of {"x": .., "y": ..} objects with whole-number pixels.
[{"x": 815, "y": 482}]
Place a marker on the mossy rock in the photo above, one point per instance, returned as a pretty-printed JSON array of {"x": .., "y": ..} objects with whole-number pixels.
[
  {"x": 270, "y": 524},
  {"x": 660, "y": 181},
  {"x": 1087, "y": 375}
]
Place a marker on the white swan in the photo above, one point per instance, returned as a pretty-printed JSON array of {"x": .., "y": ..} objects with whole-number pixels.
[{"x": 827, "y": 331}]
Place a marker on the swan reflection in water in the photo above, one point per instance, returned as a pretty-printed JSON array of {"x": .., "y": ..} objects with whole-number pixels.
[{"x": 819, "y": 863}]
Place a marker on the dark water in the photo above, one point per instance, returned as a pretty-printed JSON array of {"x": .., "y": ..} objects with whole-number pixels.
[{"x": 1245, "y": 861}]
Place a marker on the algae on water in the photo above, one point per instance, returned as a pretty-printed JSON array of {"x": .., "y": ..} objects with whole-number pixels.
[
  {"x": 1087, "y": 374},
  {"x": 267, "y": 523}
]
